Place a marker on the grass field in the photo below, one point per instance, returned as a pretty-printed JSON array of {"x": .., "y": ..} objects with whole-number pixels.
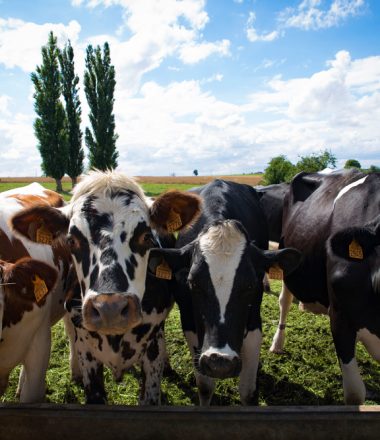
[{"x": 308, "y": 374}]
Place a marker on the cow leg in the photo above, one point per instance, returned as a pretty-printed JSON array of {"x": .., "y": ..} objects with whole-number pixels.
[
  {"x": 35, "y": 365},
  {"x": 285, "y": 301},
  {"x": 250, "y": 362},
  {"x": 344, "y": 337},
  {"x": 76, "y": 374},
  {"x": 93, "y": 382},
  {"x": 4, "y": 376},
  {"x": 205, "y": 384},
  {"x": 152, "y": 367},
  {"x": 21, "y": 381}
]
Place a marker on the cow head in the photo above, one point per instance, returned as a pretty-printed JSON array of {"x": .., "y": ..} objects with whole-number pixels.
[
  {"x": 108, "y": 228},
  {"x": 354, "y": 253},
  {"x": 224, "y": 275},
  {"x": 23, "y": 285}
]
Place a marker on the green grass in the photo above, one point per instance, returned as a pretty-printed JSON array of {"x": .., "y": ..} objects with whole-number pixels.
[{"x": 308, "y": 374}]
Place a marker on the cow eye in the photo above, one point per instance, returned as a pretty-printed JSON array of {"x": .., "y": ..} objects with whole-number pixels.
[
  {"x": 148, "y": 239},
  {"x": 70, "y": 241}
]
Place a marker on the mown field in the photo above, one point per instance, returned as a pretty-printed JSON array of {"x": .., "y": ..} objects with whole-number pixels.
[{"x": 308, "y": 374}]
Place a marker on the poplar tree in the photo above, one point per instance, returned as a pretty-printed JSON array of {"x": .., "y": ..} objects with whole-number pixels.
[
  {"x": 70, "y": 91},
  {"x": 50, "y": 124},
  {"x": 99, "y": 86}
]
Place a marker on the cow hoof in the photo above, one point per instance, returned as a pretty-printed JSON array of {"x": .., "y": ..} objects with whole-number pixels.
[{"x": 277, "y": 350}]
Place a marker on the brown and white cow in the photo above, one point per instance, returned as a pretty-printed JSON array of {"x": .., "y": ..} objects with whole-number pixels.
[
  {"x": 117, "y": 311},
  {"x": 29, "y": 302}
]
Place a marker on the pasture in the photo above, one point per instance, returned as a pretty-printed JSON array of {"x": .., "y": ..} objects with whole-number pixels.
[{"x": 308, "y": 374}]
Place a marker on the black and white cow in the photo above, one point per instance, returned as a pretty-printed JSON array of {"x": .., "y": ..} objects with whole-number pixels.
[
  {"x": 116, "y": 311},
  {"x": 336, "y": 227},
  {"x": 219, "y": 266}
]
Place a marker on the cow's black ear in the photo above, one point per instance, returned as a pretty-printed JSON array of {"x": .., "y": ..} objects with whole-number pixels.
[
  {"x": 175, "y": 259},
  {"x": 354, "y": 244},
  {"x": 286, "y": 259}
]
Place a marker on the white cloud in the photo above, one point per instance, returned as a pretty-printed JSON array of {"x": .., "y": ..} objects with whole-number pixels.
[
  {"x": 193, "y": 53},
  {"x": 21, "y": 41},
  {"x": 252, "y": 34},
  {"x": 310, "y": 14}
]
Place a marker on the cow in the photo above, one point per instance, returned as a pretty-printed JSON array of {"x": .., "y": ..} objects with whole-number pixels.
[
  {"x": 117, "y": 311},
  {"x": 25, "y": 291},
  {"x": 33, "y": 295},
  {"x": 218, "y": 265},
  {"x": 334, "y": 221}
]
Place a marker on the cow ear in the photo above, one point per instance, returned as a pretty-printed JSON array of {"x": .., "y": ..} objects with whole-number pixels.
[
  {"x": 354, "y": 244},
  {"x": 173, "y": 259},
  {"x": 174, "y": 211},
  {"x": 286, "y": 259},
  {"x": 41, "y": 224},
  {"x": 35, "y": 275}
]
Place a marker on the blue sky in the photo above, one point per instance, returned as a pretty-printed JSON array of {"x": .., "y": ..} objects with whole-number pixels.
[{"x": 220, "y": 85}]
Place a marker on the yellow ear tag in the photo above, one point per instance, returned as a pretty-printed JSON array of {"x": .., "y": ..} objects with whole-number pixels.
[
  {"x": 355, "y": 250},
  {"x": 275, "y": 273},
  {"x": 40, "y": 288},
  {"x": 163, "y": 271},
  {"x": 174, "y": 221},
  {"x": 43, "y": 235}
]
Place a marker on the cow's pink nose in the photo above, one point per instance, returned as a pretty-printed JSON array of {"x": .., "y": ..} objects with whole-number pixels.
[{"x": 113, "y": 313}]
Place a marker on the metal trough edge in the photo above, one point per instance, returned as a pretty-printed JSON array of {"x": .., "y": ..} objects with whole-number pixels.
[{"x": 82, "y": 422}]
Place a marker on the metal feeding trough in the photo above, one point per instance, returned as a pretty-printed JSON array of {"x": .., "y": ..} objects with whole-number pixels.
[{"x": 79, "y": 422}]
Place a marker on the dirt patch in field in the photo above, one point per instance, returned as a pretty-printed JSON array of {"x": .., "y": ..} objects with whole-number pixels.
[{"x": 249, "y": 179}]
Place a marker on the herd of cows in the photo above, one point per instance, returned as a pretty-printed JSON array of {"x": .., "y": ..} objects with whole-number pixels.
[{"x": 112, "y": 262}]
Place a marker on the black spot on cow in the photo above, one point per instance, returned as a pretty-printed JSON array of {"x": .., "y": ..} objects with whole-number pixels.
[
  {"x": 89, "y": 356},
  {"x": 127, "y": 351},
  {"x": 108, "y": 256},
  {"x": 112, "y": 279},
  {"x": 130, "y": 269},
  {"x": 123, "y": 236},
  {"x": 114, "y": 342},
  {"x": 141, "y": 330},
  {"x": 134, "y": 243},
  {"x": 83, "y": 287},
  {"x": 80, "y": 249},
  {"x": 152, "y": 350},
  {"x": 94, "y": 276},
  {"x": 157, "y": 295},
  {"x": 94, "y": 260},
  {"x": 97, "y": 222}
]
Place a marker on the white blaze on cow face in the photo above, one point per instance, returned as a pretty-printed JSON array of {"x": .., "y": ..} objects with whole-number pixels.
[
  {"x": 222, "y": 246},
  {"x": 348, "y": 187}
]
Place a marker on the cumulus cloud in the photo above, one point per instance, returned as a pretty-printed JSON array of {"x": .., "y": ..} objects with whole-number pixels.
[
  {"x": 310, "y": 14},
  {"x": 252, "y": 33},
  {"x": 21, "y": 41}
]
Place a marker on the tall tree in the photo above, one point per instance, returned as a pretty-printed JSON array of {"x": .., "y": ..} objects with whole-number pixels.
[
  {"x": 50, "y": 125},
  {"x": 70, "y": 92},
  {"x": 99, "y": 86}
]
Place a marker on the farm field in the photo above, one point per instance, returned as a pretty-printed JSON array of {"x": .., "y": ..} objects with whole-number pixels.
[{"x": 308, "y": 374}]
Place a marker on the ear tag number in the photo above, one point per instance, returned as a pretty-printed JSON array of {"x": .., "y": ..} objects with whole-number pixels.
[
  {"x": 355, "y": 250},
  {"x": 40, "y": 288},
  {"x": 275, "y": 273},
  {"x": 43, "y": 235},
  {"x": 163, "y": 271},
  {"x": 174, "y": 221}
]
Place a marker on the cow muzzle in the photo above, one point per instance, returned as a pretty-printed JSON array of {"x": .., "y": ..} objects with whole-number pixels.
[
  {"x": 219, "y": 366},
  {"x": 112, "y": 313}
]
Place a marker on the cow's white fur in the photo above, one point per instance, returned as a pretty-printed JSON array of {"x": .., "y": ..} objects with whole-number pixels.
[
  {"x": 222, "y": 247},
  {"x": 348, "y": 187},
  {"x": 226, "y": 352},
  {"x": 250, "y": 362},
  {"x": 353, "y": 385}
]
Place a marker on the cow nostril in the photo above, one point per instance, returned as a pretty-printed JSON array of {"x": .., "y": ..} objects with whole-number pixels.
[
  {"x": 95, "y": 312},
  {"x": 125, "y": 310}
]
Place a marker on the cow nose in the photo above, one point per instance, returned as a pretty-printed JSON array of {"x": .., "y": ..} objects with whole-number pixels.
[
  {"x": 113, "y": 313},
  {"x": 219, "y": 366}
]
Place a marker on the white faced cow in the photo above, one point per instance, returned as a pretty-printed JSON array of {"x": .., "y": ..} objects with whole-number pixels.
[
  {"x": 219, "y": 265},
  {"x": 29, "y": 302},
  {"x": 116, "y": 311},
  {"x": 335, "y": 222}
]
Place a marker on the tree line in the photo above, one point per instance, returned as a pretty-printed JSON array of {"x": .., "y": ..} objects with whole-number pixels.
[
  {"x": 280, "y": 169},
  {"x": 59, "y": 115}
]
